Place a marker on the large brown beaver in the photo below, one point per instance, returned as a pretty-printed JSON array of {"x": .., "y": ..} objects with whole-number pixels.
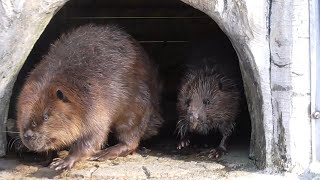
[
  {"x": 94, "y": 80},
  {"x": 210, "y": 95}
]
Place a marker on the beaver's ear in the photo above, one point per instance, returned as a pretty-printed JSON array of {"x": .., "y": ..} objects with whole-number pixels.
[{"x": 60, "y": 95}]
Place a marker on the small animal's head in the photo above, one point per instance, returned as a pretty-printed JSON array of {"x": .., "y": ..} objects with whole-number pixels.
[
  {"x": 198, "y": 101},
  {"x": 48, "y": 117},
  {"x": 198, "y": 108}
]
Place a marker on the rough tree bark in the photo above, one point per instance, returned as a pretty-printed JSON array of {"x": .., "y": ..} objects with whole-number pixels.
[{"x": 21, "y": 24}]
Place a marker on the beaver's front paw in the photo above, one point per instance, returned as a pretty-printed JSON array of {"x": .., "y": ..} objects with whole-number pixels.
[{"x": 59, "y": 164}]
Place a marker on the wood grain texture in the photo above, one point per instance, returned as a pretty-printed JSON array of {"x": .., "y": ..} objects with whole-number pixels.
[{"x": 290, "y": 84}]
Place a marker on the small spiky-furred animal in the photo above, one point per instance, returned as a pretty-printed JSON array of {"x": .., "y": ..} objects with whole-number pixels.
[{"x": 207, "y": 100}]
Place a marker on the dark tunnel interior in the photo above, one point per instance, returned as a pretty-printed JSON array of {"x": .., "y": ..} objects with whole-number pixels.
[{"x": 168, "y": 30}]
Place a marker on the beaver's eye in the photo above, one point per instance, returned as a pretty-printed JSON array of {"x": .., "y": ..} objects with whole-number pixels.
[
  {"x": 45, "y": 117},
  {"x": 33, "y": 123},
  {"x": 206, "y": 101},
  {"x": 62, "y": 96}
]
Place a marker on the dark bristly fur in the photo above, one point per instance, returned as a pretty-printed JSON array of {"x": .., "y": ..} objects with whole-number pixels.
[
  {"x": 94, "y": 80},
  {"x": 207, "y": 100}
]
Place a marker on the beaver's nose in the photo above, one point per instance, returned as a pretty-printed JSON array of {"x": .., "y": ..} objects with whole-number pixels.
[{"x": 28, "y": 135}]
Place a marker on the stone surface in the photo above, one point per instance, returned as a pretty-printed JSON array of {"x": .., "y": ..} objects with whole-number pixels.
[
  {"x": 21, "y": 24},
  {"x": 153, "y": 165}
]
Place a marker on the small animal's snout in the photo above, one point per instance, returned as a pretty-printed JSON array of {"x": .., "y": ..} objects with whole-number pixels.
[
  {"x": 193, "y": 115},
  {"x": 28, "y": 135},
  {"x": 193, "y": 120}
]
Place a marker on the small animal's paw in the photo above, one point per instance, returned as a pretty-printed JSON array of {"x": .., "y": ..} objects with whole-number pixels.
[
  {"x": 60, "y": 164},
  {"x": 216, "y": 153},
  {"x": 183, "y": 143}
]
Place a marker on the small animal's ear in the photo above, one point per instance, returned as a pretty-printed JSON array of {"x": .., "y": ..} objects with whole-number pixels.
[{"x": 61, "y": 96}]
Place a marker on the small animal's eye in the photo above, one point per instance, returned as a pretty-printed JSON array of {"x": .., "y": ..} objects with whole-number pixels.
[
  {"x": 206, "y": 101},
  {"x": 188, "y": 102},
  {"x": 33, "y": 123},
  {"x": 45, "y": 117}
]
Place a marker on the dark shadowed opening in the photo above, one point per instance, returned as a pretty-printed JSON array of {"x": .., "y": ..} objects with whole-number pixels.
[{"x": 167, "y": 29}]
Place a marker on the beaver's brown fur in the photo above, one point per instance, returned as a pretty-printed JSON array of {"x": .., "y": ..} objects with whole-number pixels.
[
  {"x": 94, "y": 80},
  {"x": 209, "y": 98}
]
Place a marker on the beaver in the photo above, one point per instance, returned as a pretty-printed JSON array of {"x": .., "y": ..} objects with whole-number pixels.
[
  {"x": 94, "y": 80},
  {"x": 210, "y": 97}
]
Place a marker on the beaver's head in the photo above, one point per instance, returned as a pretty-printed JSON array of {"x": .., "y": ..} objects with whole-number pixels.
[{"x": 49, "y": 117}]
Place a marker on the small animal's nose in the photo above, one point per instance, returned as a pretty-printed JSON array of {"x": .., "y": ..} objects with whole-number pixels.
[
  {"x": 193, "y": 115},
  {"x": 28, "y": 135}
]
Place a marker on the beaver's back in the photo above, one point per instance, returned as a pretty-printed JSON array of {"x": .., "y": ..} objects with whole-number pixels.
[
  {"x": 94, "y": 54},
  {"x": 100, "y": 52},
  {"x": 103, "y": 65}
]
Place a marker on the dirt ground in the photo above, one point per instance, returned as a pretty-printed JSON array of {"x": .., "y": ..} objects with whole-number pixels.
[{"x": 163, "y": 162}]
